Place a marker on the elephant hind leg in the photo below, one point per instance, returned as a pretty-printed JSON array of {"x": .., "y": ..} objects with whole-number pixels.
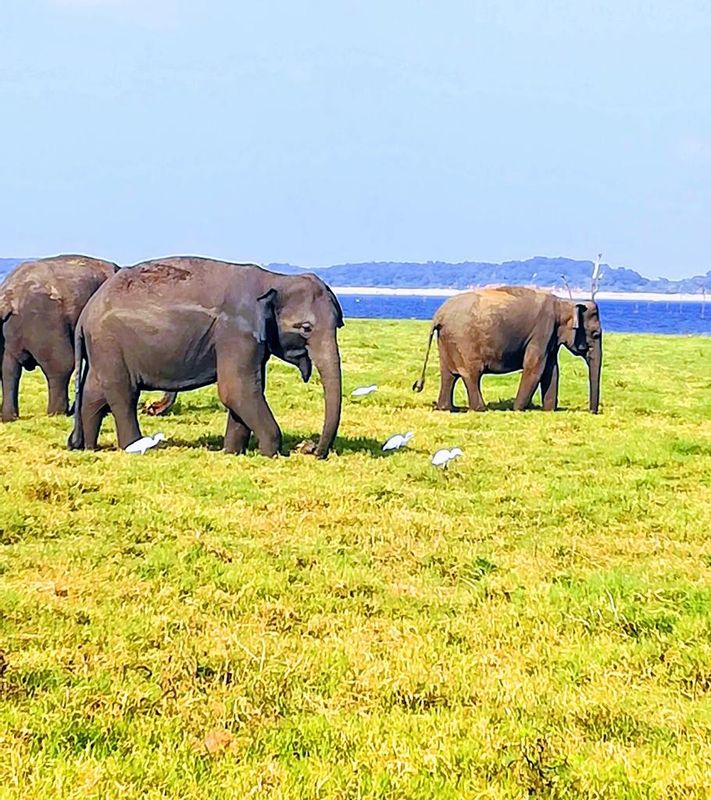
[
  {"x": 473, "y": 384},
  {"x": 160, "y": 406},
  {"x": 445, "y": 401},
  {"x": 58, "y": 371},
  {"x": 94, "y": 408},
  {"x": 122, "y": 398},
  {"x": 58, "y": 385},
  {"x": 449, "y": 374},
  {"x": 11, "y": 372}
]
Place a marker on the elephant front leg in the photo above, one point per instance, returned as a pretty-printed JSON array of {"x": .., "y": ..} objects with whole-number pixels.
[
  {"x": 549, "y": 384},
  {"x": 244, "y": 400},
  {"x": 237, "y": 435},
  {"x": 533, "y": 366},
  {"x": 250, "y": 405},
  {"x": 242, "y": 390},
  {"x": 11, "y": 372}
]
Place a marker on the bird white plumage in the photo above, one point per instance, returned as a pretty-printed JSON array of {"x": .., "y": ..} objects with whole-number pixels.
[
  {"x": 362, "y": 391},
  {"x": 398, "y": 440},
  {"x": 140, "y": 446},
  {"x": 442, "y": 457}
]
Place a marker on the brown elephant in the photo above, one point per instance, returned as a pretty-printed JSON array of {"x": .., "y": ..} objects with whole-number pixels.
[
  {"x": 510, "y": 328},
  {"x": 40, "y": 303},
  {"x": 184, "y": 322}
]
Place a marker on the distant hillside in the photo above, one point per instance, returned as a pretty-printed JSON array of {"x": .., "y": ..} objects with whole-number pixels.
[{"x": 539, "y": 271}]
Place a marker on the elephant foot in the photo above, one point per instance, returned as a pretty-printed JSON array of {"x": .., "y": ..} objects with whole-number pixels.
[
  {"x": 477, "y": 408},
  {"x": 450, "y": 409},
  {"x": 10, "y": 417},
  {"x": 75, "y": 442},
  {"x": 157, "y": 408}
]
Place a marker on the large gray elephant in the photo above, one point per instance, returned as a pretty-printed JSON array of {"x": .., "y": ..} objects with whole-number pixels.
[
  {"x": 510, "y": 328},
  {"x": 185, "y": 322},
  {"x": 40, "y": 303}
]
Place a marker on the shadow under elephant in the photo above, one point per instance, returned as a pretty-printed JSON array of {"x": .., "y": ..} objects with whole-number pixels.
[{"x": 290, "y": 444}]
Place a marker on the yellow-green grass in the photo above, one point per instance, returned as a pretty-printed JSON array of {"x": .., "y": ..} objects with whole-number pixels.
[{"x": 536, "y": 621}]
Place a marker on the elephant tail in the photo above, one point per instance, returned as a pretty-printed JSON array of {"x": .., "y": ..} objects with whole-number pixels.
[
  {"x": 76, "y": 439},
  {"x": 419, "y": 384}
]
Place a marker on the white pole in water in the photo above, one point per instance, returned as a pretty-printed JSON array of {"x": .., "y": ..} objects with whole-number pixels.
[{"x": 567, "y": 286}]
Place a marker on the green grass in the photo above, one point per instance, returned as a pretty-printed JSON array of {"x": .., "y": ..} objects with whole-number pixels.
[{"x": 534, "y": 622}]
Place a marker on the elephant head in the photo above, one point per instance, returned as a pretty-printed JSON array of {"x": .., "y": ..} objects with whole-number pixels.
[
  {"x": 301, "y": 317},
  {"x": 581, "y": 333}
]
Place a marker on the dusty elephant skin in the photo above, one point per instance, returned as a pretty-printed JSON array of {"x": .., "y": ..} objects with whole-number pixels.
[
  {"x": 40, "y": 303},
  {"x": 510, "y": 328},
  {"x": 184, "y": 322}
]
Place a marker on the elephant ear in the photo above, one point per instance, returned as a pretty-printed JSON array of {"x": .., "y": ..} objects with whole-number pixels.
[
  {"x": 336, "y": 306},
  {"x": 265, "y": 315}
]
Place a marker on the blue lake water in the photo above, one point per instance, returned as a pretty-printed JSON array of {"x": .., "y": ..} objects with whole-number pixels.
[{"x": 621, "y": 316}]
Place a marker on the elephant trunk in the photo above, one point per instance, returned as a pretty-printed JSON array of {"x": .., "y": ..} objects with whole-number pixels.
[
  {"x": 594, "y": 359},
  {"x": 325, "y": 355}
]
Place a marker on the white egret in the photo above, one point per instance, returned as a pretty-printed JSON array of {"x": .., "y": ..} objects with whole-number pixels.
[
  {"x": 442, "y": 457},
  {"x": 140, "y": 446},
  {"x": 398, "y": 440},
  {"x": 362, "y": 391}
]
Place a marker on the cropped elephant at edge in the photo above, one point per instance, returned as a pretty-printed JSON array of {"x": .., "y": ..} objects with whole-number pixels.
[
  {"x": 184, "y": 322},
  {"x": 40, "y": 303},
  {"x": 508, "y": 329}
]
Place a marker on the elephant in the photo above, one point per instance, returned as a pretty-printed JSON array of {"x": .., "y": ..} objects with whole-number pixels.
[
  {"x": 40, "y": 303},
  {"x": 183, "y": 322},
  {"x": 509, "y": 328}
]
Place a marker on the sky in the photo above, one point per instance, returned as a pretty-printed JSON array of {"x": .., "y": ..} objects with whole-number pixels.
[{"x": 328, "y": 131}]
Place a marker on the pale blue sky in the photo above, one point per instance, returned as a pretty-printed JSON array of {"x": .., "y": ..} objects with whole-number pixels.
[{"x": 322, "y": 132}]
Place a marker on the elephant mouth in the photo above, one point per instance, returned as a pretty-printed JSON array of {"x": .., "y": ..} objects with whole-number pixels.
[
  {"x": 299, "y": 357},
  {"x": 305, "y": 367}
]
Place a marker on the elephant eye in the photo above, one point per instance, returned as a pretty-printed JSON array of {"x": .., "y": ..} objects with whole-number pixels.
[
  {"x": 304, "y": 327},
  {"x": 595, "y": 335}
]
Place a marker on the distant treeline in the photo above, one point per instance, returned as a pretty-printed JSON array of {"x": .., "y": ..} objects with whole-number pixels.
[{"x": 539, "y": 271}]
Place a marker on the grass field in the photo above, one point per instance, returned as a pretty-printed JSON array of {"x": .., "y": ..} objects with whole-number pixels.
[{"x": 534, "y": 622}]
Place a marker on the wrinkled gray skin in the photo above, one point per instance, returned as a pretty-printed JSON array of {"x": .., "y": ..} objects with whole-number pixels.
[
  {"x": 40, "y": 303},
  {"x": 510, "y": 328},
  {"x": 185, "y": 322}
]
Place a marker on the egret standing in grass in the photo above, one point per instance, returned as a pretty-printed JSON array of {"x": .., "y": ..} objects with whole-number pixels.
[
  {"x": 363, "y": 391},
  {"x": 140, "y": 446},
  {"x": 397, "y": 441},
  {"x": 442, "y": 457}
]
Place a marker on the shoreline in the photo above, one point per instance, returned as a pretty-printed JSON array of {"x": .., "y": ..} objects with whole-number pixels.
[{"x": 643, "y": 297}]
